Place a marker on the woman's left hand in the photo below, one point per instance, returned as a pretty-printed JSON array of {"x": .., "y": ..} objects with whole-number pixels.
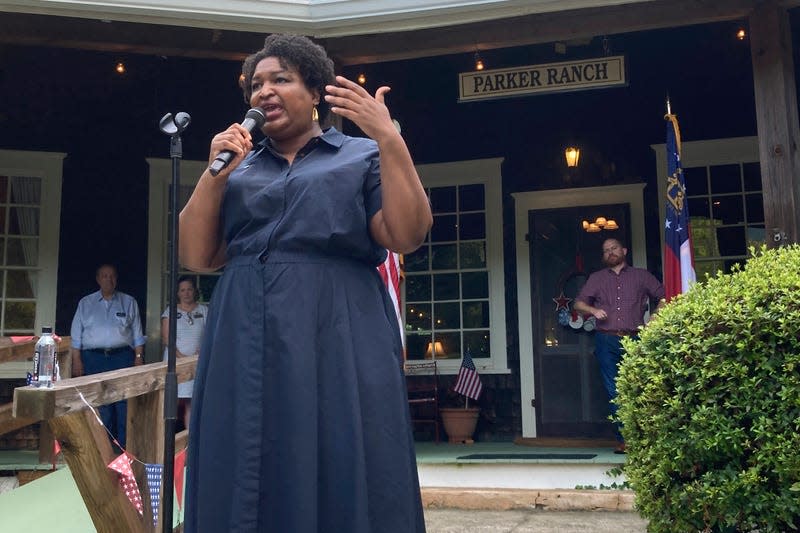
[{"x": 351, "y": 101}]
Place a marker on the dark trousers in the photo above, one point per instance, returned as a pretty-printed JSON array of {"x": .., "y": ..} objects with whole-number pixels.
[
  {"x": 608, "y": 350},
  {"x": 115, "y": 415}
]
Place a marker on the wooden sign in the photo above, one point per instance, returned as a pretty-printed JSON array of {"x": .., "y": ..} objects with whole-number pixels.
[{"x": 545, "y": 78}]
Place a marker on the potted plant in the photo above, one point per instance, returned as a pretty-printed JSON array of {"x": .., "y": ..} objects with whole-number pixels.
[{"x": 459, "y": 422}]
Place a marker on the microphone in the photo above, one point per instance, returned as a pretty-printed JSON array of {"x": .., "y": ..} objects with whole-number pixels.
[{"x": 254, "y": 118}]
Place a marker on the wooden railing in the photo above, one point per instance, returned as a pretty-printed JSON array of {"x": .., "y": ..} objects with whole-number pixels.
[
  {"x": 85, "y": 444},
  {"x": 20, "y": 352}
]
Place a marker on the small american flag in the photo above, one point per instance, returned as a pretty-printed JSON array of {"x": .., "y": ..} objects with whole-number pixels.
[
  {"x": 392, "y": 273},
  {"x": 468, "y": 382},
  {"x": 154, "y": 473}
]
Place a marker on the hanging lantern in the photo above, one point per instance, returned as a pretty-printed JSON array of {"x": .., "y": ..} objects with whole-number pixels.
[{"x": 572, "y": 154}]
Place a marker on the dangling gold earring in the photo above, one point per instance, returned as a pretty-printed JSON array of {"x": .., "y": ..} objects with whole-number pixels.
[{"x": 315, "y": 114}]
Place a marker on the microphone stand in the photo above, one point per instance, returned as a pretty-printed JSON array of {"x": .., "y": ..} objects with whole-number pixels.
[{"x": 172, "y": 127}]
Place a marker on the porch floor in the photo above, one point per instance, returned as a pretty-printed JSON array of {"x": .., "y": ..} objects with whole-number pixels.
[
  {"x": 510, "y": 465},
  {"x": 14, "y": 460}
]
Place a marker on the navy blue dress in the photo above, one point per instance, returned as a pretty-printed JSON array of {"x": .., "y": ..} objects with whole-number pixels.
[{"x": 299, "y": 418}]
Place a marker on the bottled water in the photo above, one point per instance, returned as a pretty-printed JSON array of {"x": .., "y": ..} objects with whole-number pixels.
[{"x": 44, "y": 359}]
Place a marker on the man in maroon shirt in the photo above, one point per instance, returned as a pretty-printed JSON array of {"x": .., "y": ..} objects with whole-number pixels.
[{"x": 617, "y": 297}]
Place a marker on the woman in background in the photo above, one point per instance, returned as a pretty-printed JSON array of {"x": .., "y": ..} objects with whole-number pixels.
[{"x": 191, "y": 321}]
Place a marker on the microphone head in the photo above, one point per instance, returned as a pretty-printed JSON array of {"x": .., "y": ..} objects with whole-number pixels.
[{"x": 256, "y": 114}]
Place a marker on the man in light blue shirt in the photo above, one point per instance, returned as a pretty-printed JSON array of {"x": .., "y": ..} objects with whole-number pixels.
[{"x": 107, "y": 335}]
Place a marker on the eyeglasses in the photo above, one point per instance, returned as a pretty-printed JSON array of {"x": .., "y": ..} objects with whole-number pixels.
[{"x": 189, "y": 319}]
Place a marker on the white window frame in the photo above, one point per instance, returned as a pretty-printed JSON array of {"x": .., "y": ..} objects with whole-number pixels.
[
  {"x": 48, "y": 166},
  {"x": 488, "y": 173},
  {"x": 158, "y": 224}
]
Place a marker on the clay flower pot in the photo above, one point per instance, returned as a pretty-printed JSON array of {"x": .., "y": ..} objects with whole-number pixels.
[{"x": 459, "y": 423}]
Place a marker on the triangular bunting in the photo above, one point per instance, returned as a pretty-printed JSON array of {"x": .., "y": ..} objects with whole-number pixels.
[
  {"x": 122, "y": 465},
  {"x": 56, "y": 451},
  {"x": 154, "y": 484},
  {"x": 180, "y": 461}
]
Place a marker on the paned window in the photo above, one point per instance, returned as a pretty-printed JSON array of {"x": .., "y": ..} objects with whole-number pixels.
[
  {"x": 447, "y": 279},
  {"x": 726, "y": 210},
  {"x": 20, "y": 208}
]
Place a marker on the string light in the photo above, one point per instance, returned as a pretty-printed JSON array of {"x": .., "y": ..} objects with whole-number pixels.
[
  {"x": 362, "y": 78},
  {"x": 741, "y": 34},
  {"x": 120, "y": 67}
]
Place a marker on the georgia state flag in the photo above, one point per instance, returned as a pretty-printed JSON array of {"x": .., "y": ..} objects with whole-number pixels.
[{"x": 678, "y": 255}]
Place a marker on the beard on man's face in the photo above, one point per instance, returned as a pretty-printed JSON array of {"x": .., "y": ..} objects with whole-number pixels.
[{"x": 614, "y": 259}]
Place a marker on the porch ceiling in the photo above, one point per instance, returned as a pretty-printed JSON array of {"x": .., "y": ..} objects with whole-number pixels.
[
  {"x": 320, "y": 18},
  {"x": 353, "y": 31}
]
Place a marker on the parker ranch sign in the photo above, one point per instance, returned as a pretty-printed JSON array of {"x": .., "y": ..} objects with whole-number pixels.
[{"x": 544, "y": 78}]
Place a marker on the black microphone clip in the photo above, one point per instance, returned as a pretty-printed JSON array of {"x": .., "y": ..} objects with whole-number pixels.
[{"x": 254, "y": 118}]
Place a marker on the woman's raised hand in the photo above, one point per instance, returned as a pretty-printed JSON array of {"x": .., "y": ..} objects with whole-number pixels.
[{"x": 351, "y": 101}]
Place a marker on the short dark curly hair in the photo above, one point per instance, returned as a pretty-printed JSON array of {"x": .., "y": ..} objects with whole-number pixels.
[{"x": 299, "y": 52}]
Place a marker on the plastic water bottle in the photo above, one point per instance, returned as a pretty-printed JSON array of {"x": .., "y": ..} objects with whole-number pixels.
[{"x": 44, "y": 359}]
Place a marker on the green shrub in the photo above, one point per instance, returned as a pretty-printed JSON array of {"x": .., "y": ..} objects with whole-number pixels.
[{"x": 710, "y": 402}]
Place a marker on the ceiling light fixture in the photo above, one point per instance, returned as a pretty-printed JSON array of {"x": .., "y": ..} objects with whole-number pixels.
[
  {"x": 600, "y": 223},
  {"x": 478, "y": 62}
]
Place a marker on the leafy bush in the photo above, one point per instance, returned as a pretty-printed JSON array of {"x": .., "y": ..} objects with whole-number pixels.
[{"x": 710, "y": 402}]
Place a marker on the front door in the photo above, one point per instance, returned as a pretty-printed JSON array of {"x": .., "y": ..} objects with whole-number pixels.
[{"x": 570, "y": 400}]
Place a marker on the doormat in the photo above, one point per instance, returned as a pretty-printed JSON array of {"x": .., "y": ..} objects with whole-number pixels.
[{"x": 569, "y": 456}]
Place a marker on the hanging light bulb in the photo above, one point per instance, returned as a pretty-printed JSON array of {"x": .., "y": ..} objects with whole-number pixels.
[
  {"x": 572, "y": 154},
  {"x": 120, "y": 67},
  {"x": 611, "y": 224},
  {"x": 600, "y": 221},
  {"x": 741, "y": 34},
  {"x": 585, "y": 224},
  {"x": 478, "y": 62},
  {"x": 362, "y": 78},
  {"x": 593, "y": 228}
]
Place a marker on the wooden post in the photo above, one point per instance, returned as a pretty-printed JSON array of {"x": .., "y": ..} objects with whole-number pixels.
[
  {"x": 46, "y": 441},
  {"x": 87, "y": 451},
  {"x": 9, "y": 423},
  {"x": 776, "y": 113}
]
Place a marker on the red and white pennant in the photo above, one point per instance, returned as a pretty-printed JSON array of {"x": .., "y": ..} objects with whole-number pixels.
[{"x": 122, "y": 465}]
